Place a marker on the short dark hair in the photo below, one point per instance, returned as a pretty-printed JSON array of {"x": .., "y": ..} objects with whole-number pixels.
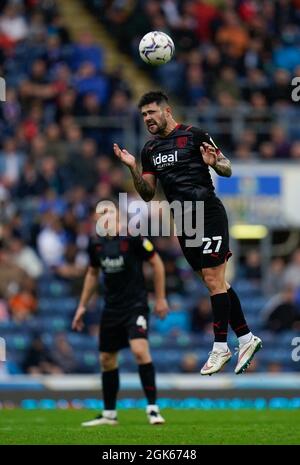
[{"x": 153, "y": 97}]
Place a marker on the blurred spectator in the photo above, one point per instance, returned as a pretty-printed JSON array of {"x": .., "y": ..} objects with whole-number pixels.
[
  {"x": 275, "y": 277},
  {"x": 63, "y": 354},
  {"x": 11, "y": 276},
  {"x": 287, "y": 54},
  {"x": 7, "y": 208},
  {"x": 194, "y": 86},
  {"x": 51, "y": 241},
  {"x": 10, "y": 110},
  {"x": 232, "y": 36},
  {"x": 55, "y": 146},
  {"x": 267, "y": 150},
  {"x": 281, "y": 142},
  {"x": 227, "y": 82},
  {"x": 292, "y": 272},
  {"x": 23, "y": 303},
  {"x": 251, "y": 268},
  {"x": 280, "y": 90},
  {"x": 243, "y": 153},
  {"x": 25, "y": 257},
  {"x": 275, "y": 367},
  {"x": 38, "y": 360},
  {"x": 205, "y": 14},
  {"x": 282, "y": 313},
  {"x": 295, "y": 151},
  {"x": 13, "y": 26},
  {"x": 11, "y": 162},
  {"x": 201, "y": 316},
  {"x": 51, "y": 175},
  {"x": 86, "y": 50},
  {"x": 82, "y": 167},
  {"x": 72, "y": 268},
  {"x": 189, "y": 363},
  {"x": 4, "y": 316},
  {"x": 88, "y": 81},
  {"x": 31, "y": 182}
]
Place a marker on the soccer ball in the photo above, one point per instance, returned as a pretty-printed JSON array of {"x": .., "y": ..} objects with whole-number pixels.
[{"x": 156, "y": 48}]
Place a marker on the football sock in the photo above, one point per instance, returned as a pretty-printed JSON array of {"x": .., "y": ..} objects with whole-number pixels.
[
  {"x": 237, "y": 319},
  {"x": 110, "y": 387},
  {"x": 245, "y": 339},
  {"x": 111, "y": 414},
  {"x": 220, "y": 347},
  {"x": 147, "y": 376},
  {"x": 221, "y": 311}
]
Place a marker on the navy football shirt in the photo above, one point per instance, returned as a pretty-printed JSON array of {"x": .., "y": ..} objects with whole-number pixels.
[
  {"x": 177, "y": 162},
  {"x": 121, "y": 260}
]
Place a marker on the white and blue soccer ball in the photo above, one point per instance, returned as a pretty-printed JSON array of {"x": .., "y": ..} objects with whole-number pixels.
[{"x": 156, "y": 48}]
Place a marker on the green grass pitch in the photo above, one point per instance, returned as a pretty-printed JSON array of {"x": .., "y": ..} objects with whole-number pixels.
[{"x": 182, "y": 427}]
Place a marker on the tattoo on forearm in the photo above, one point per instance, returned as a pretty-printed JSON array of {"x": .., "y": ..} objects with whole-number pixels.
[
  {"x": 142, "y": 186},
  {"x": 223, "y": 166}
]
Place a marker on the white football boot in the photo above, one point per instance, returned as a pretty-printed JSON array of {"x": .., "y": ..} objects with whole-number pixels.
[
  {"x": 154, "y": 415},
  {"x": 100, "y": 420},
  {"x": 215, "y": 362},
  {"x": 246, "y": 354}
]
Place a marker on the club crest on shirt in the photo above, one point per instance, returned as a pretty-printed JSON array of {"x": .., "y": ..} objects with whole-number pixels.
[
  {"x": 124, "y": 246},
  {"x": 147, "y": 245},
  {"x": 181, "y": 141}
]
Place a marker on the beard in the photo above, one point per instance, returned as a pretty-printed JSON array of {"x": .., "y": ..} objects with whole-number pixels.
[{"x": 157, "y": 128}]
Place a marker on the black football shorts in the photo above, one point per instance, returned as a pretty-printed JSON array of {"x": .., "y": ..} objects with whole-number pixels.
[
  {"x": 118, "y": 327},
  {"x": 215, "y": 246}
]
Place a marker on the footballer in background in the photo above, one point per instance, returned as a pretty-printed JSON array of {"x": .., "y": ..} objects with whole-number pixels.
[{"x": 125, "y": 317}]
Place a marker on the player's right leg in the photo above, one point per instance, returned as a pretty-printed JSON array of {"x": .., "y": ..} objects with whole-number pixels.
[
  {"x": 141, "y": 351},
  {"x": 110, "y": 388},
  {"x": 214, "y": 279}
]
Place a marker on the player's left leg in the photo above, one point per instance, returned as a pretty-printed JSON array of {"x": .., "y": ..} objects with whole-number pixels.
[
  {"x": 248, "y": 343},
  {"x": 110, "y": 388},
  {"x": 214, "y": 279},
  {"x": 141, "y": 351}
]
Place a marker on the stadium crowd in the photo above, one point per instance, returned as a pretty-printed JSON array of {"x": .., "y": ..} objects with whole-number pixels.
[
  {"x": 233, "y": 57},
  {"x": 54, "y": 168}
]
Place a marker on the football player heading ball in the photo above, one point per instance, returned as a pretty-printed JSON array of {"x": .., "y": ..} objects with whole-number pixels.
[{"x": 186, "y": 177}]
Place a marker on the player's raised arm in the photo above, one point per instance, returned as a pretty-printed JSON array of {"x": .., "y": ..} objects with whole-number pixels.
[
  {"x": 89, "y": 286},
  {"x": 145, "y": 184},
  {"x": 213, "y": 157}
]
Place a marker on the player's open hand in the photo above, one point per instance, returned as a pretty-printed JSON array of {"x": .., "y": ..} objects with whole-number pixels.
[
  {"x": 77, "y": 323},
  {"x": 124, "y": 156},
  {"x": 209, "y": 154},
  {"x": 161, "y": 308}
]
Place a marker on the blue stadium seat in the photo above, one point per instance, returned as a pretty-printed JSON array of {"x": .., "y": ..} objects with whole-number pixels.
[
  {"x": 82, "y": 341},
  {"x": 253, "y": 304},
  {"x": 55, "y": 324},
  {"x": 88, "y": 361},
  {"x": 18, "y": 341},
  {"x": 65, "y": 305},
  {"x": 54, "y": 288},
  {"x": 246, "y": 288}
]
